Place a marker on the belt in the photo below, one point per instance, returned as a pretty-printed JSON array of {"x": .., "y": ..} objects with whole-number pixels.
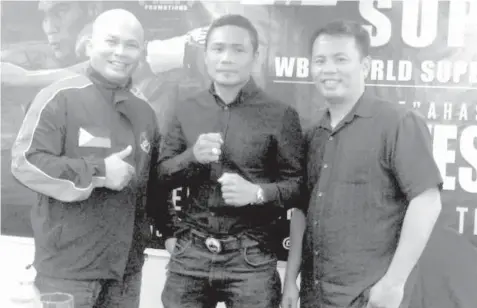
[{"x": 216, "y": 245}]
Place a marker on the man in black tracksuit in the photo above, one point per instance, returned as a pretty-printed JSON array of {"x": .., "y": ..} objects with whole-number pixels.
[{"x": 88, "y": 145}]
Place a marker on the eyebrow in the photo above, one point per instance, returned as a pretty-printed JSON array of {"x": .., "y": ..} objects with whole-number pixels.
[
  {"x": 110, "y": 36},
  {"x": 233, "y": 44},
  {"x": 334, "y": 55}
]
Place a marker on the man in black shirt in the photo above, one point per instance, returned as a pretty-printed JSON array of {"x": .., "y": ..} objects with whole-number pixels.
[{"x": 239, "y": 152}]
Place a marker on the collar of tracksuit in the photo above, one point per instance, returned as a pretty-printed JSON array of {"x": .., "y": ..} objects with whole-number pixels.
[{"x": 111, "y": 91}]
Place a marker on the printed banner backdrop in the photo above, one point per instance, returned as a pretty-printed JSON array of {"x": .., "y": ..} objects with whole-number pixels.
[{"x": 424, "y": 57}]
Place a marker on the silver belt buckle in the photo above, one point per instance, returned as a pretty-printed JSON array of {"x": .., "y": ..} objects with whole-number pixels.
[{"x": 213, "y": 245}]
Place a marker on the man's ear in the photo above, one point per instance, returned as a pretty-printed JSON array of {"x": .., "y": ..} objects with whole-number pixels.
[{"x": 88, "y": 45}]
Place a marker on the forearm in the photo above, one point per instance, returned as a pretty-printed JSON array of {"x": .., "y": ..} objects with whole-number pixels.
[
  {"x": 282, "y": 193},
  {"x": 65, "y": 179},
  {"x": 297, "y": 229},
  {"x": 418, "y": 224},
  {"x": 179, "y": 170}
]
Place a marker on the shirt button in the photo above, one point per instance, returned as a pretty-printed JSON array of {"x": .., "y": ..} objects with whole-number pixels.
[
  {"x": 325, "y": 166},
  {"x": 226, "y": 108},
  {"x": 315, "y": 222},
  {"x": 320, "y": 194},
  {"x": 331, "y": 138}
]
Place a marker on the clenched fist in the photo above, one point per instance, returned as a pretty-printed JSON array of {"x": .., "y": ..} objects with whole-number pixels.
[{"x": 207, "y": 148}]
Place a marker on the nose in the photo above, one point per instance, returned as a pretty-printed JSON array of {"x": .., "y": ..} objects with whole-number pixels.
[
  {"x": 227, "y": 56},
  {"x": 328, "y": 67},
  {"x": 119, "y": 50}
]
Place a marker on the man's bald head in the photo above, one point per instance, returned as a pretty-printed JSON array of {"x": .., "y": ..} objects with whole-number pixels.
[
  {"x": 116, "y": 45},
  {"x": 118, "y": 18}
]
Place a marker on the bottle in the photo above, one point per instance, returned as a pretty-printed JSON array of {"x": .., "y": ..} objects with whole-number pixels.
[{"x": 24, "y": 293}]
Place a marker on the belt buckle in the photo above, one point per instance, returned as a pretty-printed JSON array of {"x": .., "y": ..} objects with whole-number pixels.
[{"x": 213, "y": 245}]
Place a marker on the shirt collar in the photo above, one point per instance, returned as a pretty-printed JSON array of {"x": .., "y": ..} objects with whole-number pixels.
[
  {"x": 121, "y": 93},
  {"x": 363, "y": 108},
  {"x": 247, "y": 91}
]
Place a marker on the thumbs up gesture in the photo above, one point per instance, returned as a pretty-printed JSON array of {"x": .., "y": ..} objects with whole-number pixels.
[{"x": 118, "y": 172}]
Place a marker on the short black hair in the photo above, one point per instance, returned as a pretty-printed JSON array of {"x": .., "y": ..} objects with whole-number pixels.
[
  {"x": 345, "y": 28},
  {"x": 234, "y": 20}
]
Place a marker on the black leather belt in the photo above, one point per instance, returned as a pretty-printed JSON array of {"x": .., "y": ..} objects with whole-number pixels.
[{"x": 214, "y": 244}]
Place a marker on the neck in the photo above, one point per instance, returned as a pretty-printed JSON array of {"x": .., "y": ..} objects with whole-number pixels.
[
  {"x": 339, "y": 108},
  {"x": 228, "y": 93},
  {"x": 106, "y": 81}
]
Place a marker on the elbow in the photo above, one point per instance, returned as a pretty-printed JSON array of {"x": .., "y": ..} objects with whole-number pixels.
[{"x": 16, "y": 168}]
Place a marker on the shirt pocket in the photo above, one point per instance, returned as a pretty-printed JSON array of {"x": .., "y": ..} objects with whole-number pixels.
[{"x": 357, "y": 165}]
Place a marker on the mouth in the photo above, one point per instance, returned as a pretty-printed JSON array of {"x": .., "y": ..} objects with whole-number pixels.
[
  {"x": 118, "y": 65},
  {"x": 55, "y": 45},
  {"x": 330, "y": 82},
  {"x": 227, "y": 71}
]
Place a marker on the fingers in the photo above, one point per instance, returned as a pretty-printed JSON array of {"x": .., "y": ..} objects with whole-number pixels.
[
  {"x": 212, "y": 137},
  {"x": 228, "y": 179},
  {"x": 208, "y": 147}
]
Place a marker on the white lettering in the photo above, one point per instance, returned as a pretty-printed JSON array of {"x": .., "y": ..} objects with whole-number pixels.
[
  {"x": 428, "y": 22},
  {"x": 460, "y": 13},
  {"x": 405, "y": 70},
  {"x": 473, "y": 72},
  {"x": 444, "y": 68},
  {"x": 463, "y": 112},
  {"x": 377, "y": 70},
  {"x": 432, "y": 114},
  {"x": 302, "y": 67},
  {"x": 179, "y": 195},
  {"x": 380, "y": 23},
  {"x": 462, "y": 211},
  {"x": 475, "y": 221},
  {"x": 442, "y": 154},
  {"x": 427, "y": 68},
  {"x": 284, "y": 66},
  {"x": 469, "y": 153},
  {"x": 460, "y": 68},
  {"x": 447, "y": 111},
  {"x": 389, "y": 71}
]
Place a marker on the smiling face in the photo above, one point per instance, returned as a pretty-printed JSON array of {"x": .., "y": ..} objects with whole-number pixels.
[
  {"x": 338, "y": 67},
  {"x": 116, "y": 48}
]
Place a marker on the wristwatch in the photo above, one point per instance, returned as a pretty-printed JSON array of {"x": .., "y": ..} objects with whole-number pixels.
[{"x": 260, "y": 198}]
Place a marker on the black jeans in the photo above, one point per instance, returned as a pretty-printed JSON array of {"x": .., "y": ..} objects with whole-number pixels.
[{"x": 242, "y": 278}]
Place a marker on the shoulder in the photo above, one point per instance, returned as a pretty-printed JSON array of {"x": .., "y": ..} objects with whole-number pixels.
[
  {"x": 67, "y": 87},
  {"x": 392, "y": 118},
  {"x": 186, "y": 104},
  {"x": 144, "y": 107},
  {"x": 391, "y": 111},
  {"x": 275, "y": 108}
]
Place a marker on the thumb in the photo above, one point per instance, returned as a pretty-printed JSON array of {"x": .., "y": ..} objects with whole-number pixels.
[{"x": 124, "y": 153}]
